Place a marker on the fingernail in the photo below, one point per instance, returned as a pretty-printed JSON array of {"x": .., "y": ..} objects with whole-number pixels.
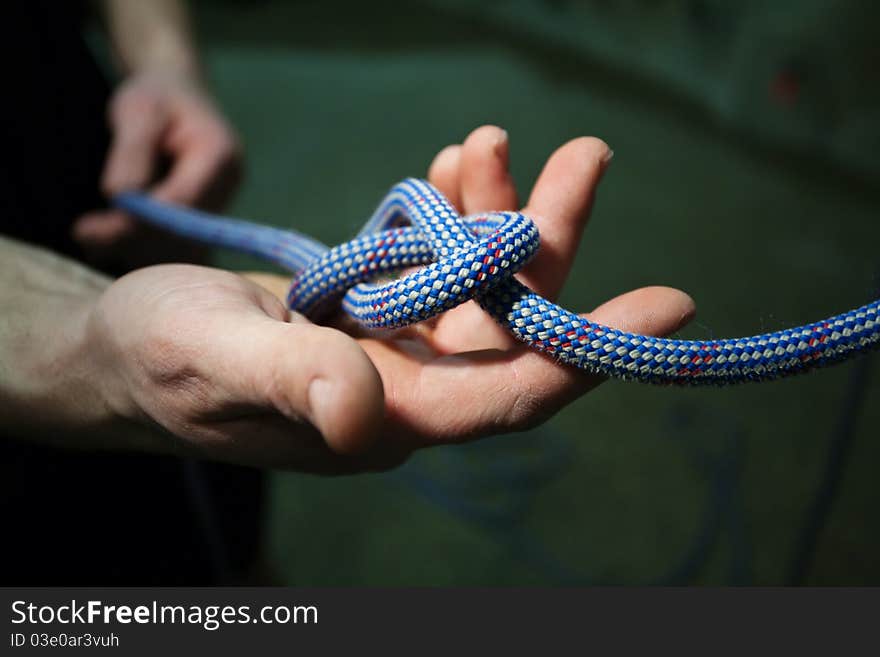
[
  {"x": 500, "y": 147},
  {"x": 607, "y": 157},
  {"x": 320, "y": 397}
]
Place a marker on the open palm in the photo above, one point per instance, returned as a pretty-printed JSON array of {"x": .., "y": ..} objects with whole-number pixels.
[{"x": 461, "y": 375}]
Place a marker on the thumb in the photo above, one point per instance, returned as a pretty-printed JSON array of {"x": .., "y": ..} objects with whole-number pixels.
[
  {"x": 137, "y": 121},
  {"x": 307, "y": 372}
]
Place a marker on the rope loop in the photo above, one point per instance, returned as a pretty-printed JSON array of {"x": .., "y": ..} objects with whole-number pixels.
[{"x": 464, "y": 256}]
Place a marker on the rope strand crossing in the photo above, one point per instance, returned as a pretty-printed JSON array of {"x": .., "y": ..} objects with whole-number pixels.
[{"x": 475, "y": 257}]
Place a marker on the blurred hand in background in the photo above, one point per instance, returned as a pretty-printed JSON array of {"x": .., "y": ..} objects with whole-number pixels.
[{"x": 167, "y": 135}]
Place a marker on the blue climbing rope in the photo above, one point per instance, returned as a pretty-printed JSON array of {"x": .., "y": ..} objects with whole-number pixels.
[{"x": 475, "y": 257}]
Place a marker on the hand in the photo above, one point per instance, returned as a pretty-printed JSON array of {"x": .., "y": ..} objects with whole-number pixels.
[
  {"x": 218, "y": 365},
  {"x": 167, "y": 135},
  {"x": 462, "y": 376}
]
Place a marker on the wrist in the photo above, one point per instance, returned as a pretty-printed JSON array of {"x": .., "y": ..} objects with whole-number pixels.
[
  {"x": 57, "y": 384},
  {"x": 99, "y": 361},
  {"x": 56, "y": 389},
  {"x": 171, "y": 64},
  {"x": 163, "y": 78},
  {"x": 153, "y": 37}
]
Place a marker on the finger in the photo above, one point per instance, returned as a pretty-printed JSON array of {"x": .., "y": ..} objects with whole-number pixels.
[
  {"x": 204, "y": 173},
  {"x": 486, "y": 184},
  {"x": 489, "y": 392},
  {"x": 137, "y": 121},
  {"x": 304, "y": 371},
  {"x": 102, "y": 229},
  {"x": 656, "y": 310},
  {"x": 277, "y": 285},
  {"x": 560, "y": 205},
  {"x": 444, "y": 174}
]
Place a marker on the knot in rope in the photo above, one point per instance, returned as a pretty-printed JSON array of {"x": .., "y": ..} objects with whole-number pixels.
[{"x": 464, "y": 257}]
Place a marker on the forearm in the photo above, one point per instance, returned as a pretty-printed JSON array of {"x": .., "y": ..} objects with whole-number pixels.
[
  {"x": 52, "y": 375},
  {"x": 152, "y": 36}
]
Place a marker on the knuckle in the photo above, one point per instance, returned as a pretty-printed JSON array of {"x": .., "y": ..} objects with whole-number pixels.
[
  {"x": 230, "y": 144},
  {"x": 135, "y": 102},
  {"x": 273, "y": 385},
  {"x": 166, "y": 350},
  {"x": 526, "y": 411},
  {"x": 227, "y": 147},
  {"x": 163, "y": 355},
  {"x": 526, "y": 404}
]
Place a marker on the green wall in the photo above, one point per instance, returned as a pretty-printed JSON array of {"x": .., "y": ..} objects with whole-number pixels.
[{"x": 766, "y": 214}]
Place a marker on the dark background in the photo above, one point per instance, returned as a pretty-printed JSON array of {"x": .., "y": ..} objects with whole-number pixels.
[{"x": 747, "y": 156}]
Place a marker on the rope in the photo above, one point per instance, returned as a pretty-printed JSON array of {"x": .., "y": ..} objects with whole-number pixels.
[{"x": 475, "y": 257}]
